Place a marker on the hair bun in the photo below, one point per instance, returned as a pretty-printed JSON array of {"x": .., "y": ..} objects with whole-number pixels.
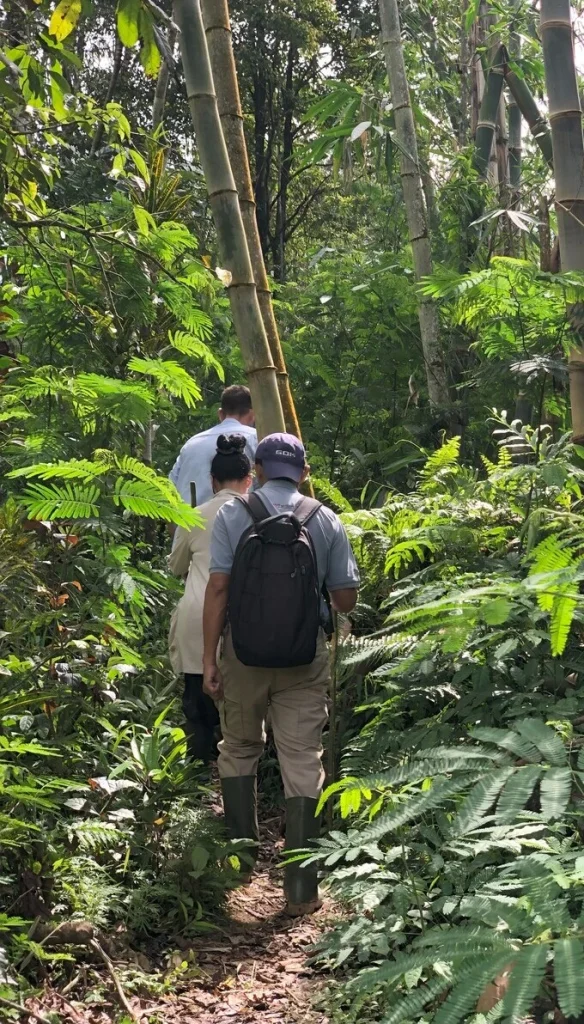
[{"x": 232, "y": 444}]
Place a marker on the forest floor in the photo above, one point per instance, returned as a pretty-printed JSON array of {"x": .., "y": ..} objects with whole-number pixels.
[{"x": 251, "y": 967}]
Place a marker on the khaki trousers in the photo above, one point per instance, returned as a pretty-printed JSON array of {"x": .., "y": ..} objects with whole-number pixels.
[{"x": 297, "y": 699}]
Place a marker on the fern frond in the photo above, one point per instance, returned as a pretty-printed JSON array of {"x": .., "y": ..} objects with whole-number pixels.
[
  {"x": 565, "y": 602},
  {"x": 193, "y": 346},
  {"x": 65, "y": 502},
  {"x": 525, "y": 981},
  {"x": 410, "y": 1006},
  {"x": 479, "y": 800},
  {"x": 144, "y": 498},
  {"x": 74, "y": 469},
  {"x": 517, "y": 791},
  {"x": 550, "y": 555},
  {"x": 544, "y": 738},
  {"x": 569, "y": 975},
  {"x": 441, "y": 792},
  {"x": 470, "y": 981},
  {"x": 332, "y": 494},
  {"x": 508, "y": 740},
  {"x": 170, "y": 376},
  {"x": 555, "y": 792},
  {"x": 443, "y": 458},
  {"x": 95, "y": 836}
]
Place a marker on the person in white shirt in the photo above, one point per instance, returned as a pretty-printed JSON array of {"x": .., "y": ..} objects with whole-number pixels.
[
  {"x": 193, "y": 466},
  {"x": 230, "y": 475}
]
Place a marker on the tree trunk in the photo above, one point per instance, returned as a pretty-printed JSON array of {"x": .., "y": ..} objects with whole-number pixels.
[
  {"x": 414, "y": 199},
  {"x": 227, "y": 218},
  {"x": 465, "y": 83},
  {"x": 530, "y": 111},
  {"x": 285, "y": 166},
  {"x": 568, "y": 151},
  {"x": 116, "y": 68},
  {"x": 219, "y": 40},
  {"x": 162, "y": 84},
  {"x": 489, "y": 112}
]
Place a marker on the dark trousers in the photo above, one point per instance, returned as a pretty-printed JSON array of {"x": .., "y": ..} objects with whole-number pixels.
[{"x": 202, "y": 721}]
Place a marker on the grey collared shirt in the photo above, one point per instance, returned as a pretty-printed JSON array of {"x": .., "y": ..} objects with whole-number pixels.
[
  {"x": 334, "y": 557},
  {"x": 194, "y": 462}
]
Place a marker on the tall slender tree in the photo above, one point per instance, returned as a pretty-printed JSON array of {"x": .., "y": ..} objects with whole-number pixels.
[
  {"x": 224, "y": 201},
  {"x": 413, "y": 192},
  {"x": 219, "y": 40},
  {"x": 162, "y": 83},
  {"x": 568, "y": 148}
]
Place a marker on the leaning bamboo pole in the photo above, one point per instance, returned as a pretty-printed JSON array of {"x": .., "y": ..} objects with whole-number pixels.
[
  {"x": 220, "y": 44},
  {"x": 487, "y": 122},
  {"x": 414, "y": 200},
  {"x": 224, "y": 202},
  {"x": 565, "y": 115},
  {"x": 530, "y": 111}
]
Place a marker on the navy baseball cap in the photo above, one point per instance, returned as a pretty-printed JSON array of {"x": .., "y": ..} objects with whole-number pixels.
[{"x": 281, "y": 455}]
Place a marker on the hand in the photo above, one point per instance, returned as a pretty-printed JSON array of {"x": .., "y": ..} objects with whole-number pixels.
[{"x": 212, "y": 681}]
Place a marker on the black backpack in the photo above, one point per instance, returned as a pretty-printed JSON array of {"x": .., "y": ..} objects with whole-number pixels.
[{"x": 274, "y": 596}]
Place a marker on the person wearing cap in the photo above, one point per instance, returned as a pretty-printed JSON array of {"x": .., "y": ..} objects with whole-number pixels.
[{"x": 297, "y": 696}]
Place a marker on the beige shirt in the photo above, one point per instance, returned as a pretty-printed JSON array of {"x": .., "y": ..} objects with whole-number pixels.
[{"x": 191, "y": 554}]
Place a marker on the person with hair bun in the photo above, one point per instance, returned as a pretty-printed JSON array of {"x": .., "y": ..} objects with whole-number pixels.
[{"x": 230, "y": 476}]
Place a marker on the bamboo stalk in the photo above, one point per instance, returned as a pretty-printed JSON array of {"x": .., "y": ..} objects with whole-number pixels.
[
  {"x": 530, "y": 111},
  {"x": 414, "y": 200},
  {"x": 487, "y": 123},
  {"x": 224, "y": 202},
  {"x": 220, "y": 44},
  {"x": 503, "y": 151},
  {"x": 568, "y": 151}
]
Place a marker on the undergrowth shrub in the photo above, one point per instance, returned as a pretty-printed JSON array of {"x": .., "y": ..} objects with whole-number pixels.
[{"x": 462, "y": 789}]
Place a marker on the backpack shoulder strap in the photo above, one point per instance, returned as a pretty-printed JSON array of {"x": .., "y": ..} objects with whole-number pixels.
[
  {"x": 254, "y": 505},
  {"x": 306, "y": 509}
]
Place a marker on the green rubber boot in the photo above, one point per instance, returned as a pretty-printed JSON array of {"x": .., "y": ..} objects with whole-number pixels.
[
  {"x": 301, "y": 883},
  {"x": 241, "y": 816}
]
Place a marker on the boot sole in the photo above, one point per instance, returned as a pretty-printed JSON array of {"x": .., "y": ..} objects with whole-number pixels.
[{"x": 302, "y": 909}]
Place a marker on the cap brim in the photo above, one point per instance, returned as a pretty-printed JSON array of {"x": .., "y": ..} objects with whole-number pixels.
[{"x": 278, "y": 470}]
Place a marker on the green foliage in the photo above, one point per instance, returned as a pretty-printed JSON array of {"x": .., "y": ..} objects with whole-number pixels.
[{"x": 461, "y": 791}]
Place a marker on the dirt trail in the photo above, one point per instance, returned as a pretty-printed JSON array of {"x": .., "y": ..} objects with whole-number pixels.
[
  {"x": 257, "y": 969},
  {"x": 251, "y": 968}
]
